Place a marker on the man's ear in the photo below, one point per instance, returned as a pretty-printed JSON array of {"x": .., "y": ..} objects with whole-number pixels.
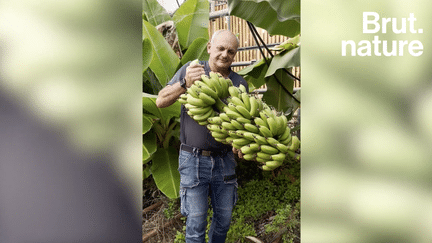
[{"x": 208, "y": 47}]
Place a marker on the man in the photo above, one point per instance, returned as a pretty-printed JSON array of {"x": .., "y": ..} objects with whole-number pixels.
[{"x": 206, "y": 166}]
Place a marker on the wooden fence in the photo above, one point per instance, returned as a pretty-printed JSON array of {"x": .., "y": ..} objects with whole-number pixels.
[{"x": 238, "y": 26}]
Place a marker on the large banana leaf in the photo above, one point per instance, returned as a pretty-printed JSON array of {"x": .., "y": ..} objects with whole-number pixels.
[
  {"x": 285, "y": 59},
  {"x": 275, "y": 95},
  {"x": 165, "y": 171},
  {"x": 197, "y": 50},
  {"x": 191, "y": 21},
  {"x": 278, "y": 17},
  {"x": 149, "y": 105},
  {"x": 154, "y": 13},
  {"x": 254, "y": 74},
  {"x": 164, "y": 61}
]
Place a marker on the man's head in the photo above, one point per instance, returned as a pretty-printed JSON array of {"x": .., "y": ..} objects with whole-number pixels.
[{"x": 222, "y": 49}]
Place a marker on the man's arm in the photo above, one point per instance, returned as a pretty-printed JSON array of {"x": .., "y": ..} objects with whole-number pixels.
[{"x": 168, "y": 95}]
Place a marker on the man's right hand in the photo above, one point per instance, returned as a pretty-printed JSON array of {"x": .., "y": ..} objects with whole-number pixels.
[{"x": 193, "y": 73}]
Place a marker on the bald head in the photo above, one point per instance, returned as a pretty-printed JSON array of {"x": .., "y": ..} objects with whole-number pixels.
[{"x": 224, "y": 34}]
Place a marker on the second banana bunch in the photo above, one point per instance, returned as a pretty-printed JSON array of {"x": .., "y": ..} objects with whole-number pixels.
[{"x": 240, "y": 119}]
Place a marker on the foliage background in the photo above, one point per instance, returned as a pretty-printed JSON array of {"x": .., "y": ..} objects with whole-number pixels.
[{"x": 366, "y": 128}]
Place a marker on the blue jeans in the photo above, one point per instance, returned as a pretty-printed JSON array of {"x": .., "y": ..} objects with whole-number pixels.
[{"x": 201, "y": 176}]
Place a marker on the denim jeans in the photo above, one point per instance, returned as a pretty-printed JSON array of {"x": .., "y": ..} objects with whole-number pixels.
[{"x": 201, "y": 177}]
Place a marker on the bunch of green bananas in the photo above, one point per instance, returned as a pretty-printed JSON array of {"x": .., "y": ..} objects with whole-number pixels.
[
  {"x": 203, "y": 99},
  {"x": 250, "y": 125},
  {"x": 240, "y": 119}
]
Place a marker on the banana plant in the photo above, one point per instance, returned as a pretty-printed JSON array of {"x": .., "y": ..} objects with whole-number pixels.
[
  {"x": 161, "y": 126},
  {"x": 160, "y": 139}
]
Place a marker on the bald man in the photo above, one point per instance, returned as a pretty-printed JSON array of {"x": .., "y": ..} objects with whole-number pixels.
[{"x": 207, "y": 167}]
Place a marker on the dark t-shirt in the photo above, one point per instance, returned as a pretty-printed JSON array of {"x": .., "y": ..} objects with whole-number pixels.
[{"x": 191, "y": 133}]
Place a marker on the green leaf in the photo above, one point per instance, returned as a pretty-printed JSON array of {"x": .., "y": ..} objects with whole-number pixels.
[
  {"x": 254, "y": 70},
  {"x": 254, "y": 74},
  {"x": 147, "y": 53},
  {"x": 147, "y": 124},
  {"x": 155, "y": 14},
  {"x": 275, "y": 95},
  {"x": 165, "y": 171},
  {"x": 278, "y": 17},
  {"x": 285, "y": 59},
  {"x": 164, "y": 61},
  {"x": 197, "y": 50},
  {"x": 146, "y": 171},
  {"x": 149, "y": 146},
  {"x": 149, "y": 105},
  {"x": 191, "y": 21}
]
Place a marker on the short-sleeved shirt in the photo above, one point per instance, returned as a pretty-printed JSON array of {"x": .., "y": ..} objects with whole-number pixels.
[{"x": 191, "y": 133}]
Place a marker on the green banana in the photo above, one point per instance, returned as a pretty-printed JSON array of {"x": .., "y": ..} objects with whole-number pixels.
[
  {"x": 261, "y": 160},
  {"x": 259, "y": 121},
  {"x": 273, "y": 164},
  {"x": 229, "y": 139},
  {"x": 283, "y": 148},
  {"x": 243, "y": 120},
  {"x": 241, "y": 142},
  {"x": 208, "y": 100},
  {"x": 208, "y": 81},
  {"x": 242, "y": 110},
  {"x": 272, "y": 125},
  {"x": 266, "y": 168},
  {"x": 206, "y": 89},
  {"x": 214, "y": 78},
  {"x": 295, "y": 143},
  {"x": 233, "y": 133},
  {"x": 203, "y": 117},
  {"x": 215, "y": 128},
  {"x": 263, "y": 155},
  {"x": 233, "y": 91},
  {"x": 260, "y": 139},
  {"x": 221, "y": 140},
  {"x": 269, "y": 149},
  {"x": 228, "y": 125},
  {"x": 219, "y": 104},
  {"x": 199, "y": 110},
  {"x": 249, "y": 135},
  {"x": 251, "y": 128},
  {"x": 285, "y": 135},
  {"x": 236, "y": 101},
  {"x": 224, "y": 117},
  {"x": 278, "y": 157},
  {"x": 196, "y": 61},
  {"x": 250, "y": 156},
  {"x": 265, "y": 131},
  {"x": 242, "y": 88},
  {"x": 219, "y": 135},
  {"x": 246, "y": 149},
  {"x": 215, "y": 120},
  {"x": 195, "y": 101},
  {"x": 224, "y": 86},
  {"x": 232, "y": 114},
  {"x": 253, "y": 106},
  {"x": 237, "y": 124},
  {"x": 272, "y": 141},
  {"x": 246, "y": 101}
]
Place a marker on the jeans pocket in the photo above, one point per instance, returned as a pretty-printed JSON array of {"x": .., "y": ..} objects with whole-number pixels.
[{"x": 188, "y": 169}]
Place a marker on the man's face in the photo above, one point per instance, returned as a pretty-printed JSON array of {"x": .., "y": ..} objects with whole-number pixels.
[{"x": 223, "y": 50}]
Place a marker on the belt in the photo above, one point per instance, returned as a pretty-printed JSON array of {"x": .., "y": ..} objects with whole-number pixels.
[{"x": 190, "y": 149}]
